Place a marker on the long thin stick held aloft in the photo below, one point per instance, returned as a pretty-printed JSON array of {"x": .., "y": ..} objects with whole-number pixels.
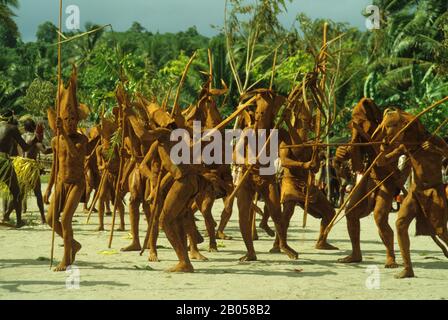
[
  {"x": 175, "y": 109},
  {"x": 58, "y": 112},
  {"x": 310, "y": 181},
  {"x": 121, "y": 168}
]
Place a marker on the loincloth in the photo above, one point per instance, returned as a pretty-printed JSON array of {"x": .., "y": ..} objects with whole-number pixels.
[
  {"x": 261, "y": 181},
  {"x": 433, "y": 215},
  {"x": 62, "y": 192},
  {"x": 139, "y": 184},
  {"x": 221, "y": 185},
  {"x": 294, "y": 189},
  {"x": 110, "y": 184}
]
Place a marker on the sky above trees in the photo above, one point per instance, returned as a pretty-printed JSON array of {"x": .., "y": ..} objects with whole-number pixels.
[{"x": 174, "y": 15}]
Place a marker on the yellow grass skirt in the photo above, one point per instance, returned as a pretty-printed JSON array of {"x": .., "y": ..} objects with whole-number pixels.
[{"x": 28, "y": 174}]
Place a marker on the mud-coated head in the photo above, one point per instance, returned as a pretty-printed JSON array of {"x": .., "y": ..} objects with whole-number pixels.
[
  {"x": 366, "y": 116},
  {"x": 394, "y": 120},
  {"x": 71, "y": 112},
  {"x": 160, "y": 117},
  {"x": 267, "y": 105},
  {"x": 108, "y": 128}
]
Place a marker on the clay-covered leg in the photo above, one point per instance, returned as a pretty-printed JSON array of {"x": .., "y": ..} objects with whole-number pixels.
[
  {"x": 87, "y": 192},
  {"x": 354, "y": 229},
  {"x": 288, "y": 212},
  {"x": 323, "y": 209},
  {"x": 120, "y": 207},
  {"x": 353, "y": 216},
  {"x": 407, "y": 213},
  {"x": 206, "y": 210},
  {"x": 101, "y": 211},
  {"x": 272, "y": 200},
  {"x": 383, "y": 205},
  {"x": 172, "y": 221},
  {"x": 191, "y": 232},
  {"x": 441, "y": 226},
  {"x": 225, "y": 217},
  {"x": 134, "y": 217},
  {"x": 154, "y": 230},
  {"x": 71, "y": 246},
  {"x": 136, "y": 188},
  {"x": 253, "y": 215},
  {"x": 264, "y": 222},
  {"x": 244, "y": 201}
]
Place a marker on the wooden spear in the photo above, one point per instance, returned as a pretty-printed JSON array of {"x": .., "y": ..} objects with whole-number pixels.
[
  {"x": 253, "y": 216},
  {"x": 210, "y": 62},
  {"x": 175, "y": 109},
  {"x": 318, "y": 128},
  {"x": 273, "y": 70},
  {"x": 313, "y": 144},
  {"x": 97, "y": 195},
  {"x": 167, "y": 98},
  {"x": 120, "y": 171},
  {"x": 58, "y": 111},
  {"x": 346, "y": 144}
]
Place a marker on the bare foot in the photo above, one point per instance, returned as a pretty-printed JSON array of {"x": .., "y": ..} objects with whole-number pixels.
[
  {"x": 213, "y": 248},
  {"x": 291, "y": 253},
  {"x": 75, "y": 249},
  {"x": 153, "y": 256},
  {"x": 324, "y": 245},
  {"x": 60, "y": 267},
  {"x": 182, "y": 267},
  {"x": 64, "y": 264},
  {"x": 390, "y": 263},
  {"x": 221, "y": 235},
  {"x": 351, "y": 259},
  {"x": 249, "y": 257},
  {"x": 20, "y": 224},
  {"x": 267, "y": 229},
  {"x": 275, "y": 249},
  {"x": 196, "y": 255},
  {"x": 406, "y": 273},
  {"x": 132, "y": 247}
]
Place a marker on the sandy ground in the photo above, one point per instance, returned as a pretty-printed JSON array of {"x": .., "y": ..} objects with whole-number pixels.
[{"x": 110, "y": 274}]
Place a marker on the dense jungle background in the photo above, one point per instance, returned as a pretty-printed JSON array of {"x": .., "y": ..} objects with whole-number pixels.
[{"x": 404, "y": 63}]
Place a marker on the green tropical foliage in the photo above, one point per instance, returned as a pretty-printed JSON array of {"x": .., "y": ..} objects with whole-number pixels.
[{"x": 404, "y": 63}]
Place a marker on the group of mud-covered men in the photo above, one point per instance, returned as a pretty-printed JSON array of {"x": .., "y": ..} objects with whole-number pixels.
[{"x": 129, "y": 152}]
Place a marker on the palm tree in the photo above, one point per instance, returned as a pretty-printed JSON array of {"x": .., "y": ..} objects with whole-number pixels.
[
  {"x": 411, "y": 39},
  {"x": 7, "y": 14}
]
